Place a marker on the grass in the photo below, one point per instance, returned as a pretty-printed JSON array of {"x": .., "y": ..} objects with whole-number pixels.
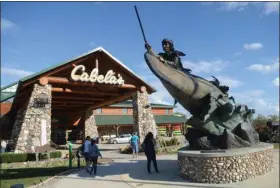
[
  {"x": 30, "y": 176},
  {"x": 276, "y": 145}
]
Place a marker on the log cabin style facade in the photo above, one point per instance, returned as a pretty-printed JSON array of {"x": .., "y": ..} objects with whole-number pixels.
[{"x": 78, "y": 99}]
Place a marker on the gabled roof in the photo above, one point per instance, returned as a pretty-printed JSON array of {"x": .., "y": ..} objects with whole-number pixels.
[
  {"x": 85, "y": 54},
  {"x": 15, "y": 84}
]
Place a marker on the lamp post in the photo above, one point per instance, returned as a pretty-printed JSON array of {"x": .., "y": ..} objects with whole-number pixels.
[{"x": 70, "y": 154}]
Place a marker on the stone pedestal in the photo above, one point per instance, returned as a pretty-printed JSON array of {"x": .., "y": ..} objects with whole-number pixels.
[
  {"x": 90, "y": 128},
  {"x": 143, "y": 117},
  {"x": 32, "y": 126},
  {"x": 232, "y": 166}
]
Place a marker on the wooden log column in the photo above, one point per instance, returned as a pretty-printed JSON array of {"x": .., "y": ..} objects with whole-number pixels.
[
  {"x": 143, "y": 117},
  {"x": 32, "y": 126}
]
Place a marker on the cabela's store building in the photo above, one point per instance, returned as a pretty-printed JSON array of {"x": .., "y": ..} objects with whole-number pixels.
[{"x": 92, "y": 95}]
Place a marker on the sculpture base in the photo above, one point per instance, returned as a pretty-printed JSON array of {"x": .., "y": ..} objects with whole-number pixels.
[{"x": 226, "y": 167}]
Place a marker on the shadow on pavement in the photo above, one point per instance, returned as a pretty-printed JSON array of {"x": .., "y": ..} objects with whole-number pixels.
[{"x": 134, "y": 172}]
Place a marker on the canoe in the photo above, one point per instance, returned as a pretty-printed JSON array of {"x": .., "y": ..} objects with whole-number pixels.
[{"x": 188, "y": 89}]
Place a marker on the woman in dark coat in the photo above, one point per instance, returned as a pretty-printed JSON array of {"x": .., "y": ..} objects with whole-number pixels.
[{"x": 149, "y": 148}]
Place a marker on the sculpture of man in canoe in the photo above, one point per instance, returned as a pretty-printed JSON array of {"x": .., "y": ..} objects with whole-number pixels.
[{"x": 217, "y": 122}]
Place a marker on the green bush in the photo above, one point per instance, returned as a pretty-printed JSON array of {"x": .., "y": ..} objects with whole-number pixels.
[
  {"x": 172, "y": 142},
  {"x": 56, "y": 154},
  {"x": 24, "y": 157},
  {"x": 13, "y": 157}
]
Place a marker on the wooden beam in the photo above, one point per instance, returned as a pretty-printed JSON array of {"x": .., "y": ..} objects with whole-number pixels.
[
  {"x": 67, "y": 106},
  {"x": 73, "y": 102},
  {"x": 112, "y": 100},
  {"x": 77, "y": 98},
  {"x": 59, "y": 80},
  {"x": 65, "y": 90}
]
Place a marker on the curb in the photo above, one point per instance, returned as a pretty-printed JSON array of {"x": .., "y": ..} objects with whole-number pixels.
[{"x": 53, "y": 179}]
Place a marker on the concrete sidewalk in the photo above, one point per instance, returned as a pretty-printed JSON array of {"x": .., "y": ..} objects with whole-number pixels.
[{"x": 125, "y": 172}]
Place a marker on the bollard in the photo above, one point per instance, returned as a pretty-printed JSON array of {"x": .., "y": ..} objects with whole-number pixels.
[
  {"x": 70, "y": 154},
  {"x": 17, "y": 186}
]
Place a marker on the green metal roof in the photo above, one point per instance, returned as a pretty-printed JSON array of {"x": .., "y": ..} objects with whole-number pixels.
[
  {"x": 128, "y": 119},
  {"x": 7, "y": 95},
  {"x": 128, "y": 103}
]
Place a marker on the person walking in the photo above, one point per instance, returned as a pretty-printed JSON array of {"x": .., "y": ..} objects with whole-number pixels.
[
  {"x": 85, "y": 150},
  {"x": 134, "y": 141},
  {"x": 3, "y": 146},
  {"x": 149, "y": 149},
  {"x": 94, "y": 153}
]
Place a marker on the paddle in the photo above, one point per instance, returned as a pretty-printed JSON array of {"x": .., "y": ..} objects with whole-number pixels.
[{"x": 139, "y": 20}]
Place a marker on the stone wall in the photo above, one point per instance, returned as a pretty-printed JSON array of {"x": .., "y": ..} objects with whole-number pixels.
[
  {"x": 143, "y": 117},
  {"x": 90, "y": 128},
  {"x": 26, "y": 132},
  {"x": 225, "y": 169}
]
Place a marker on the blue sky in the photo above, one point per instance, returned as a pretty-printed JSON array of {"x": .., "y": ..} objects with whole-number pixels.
[{"x": 237, "y": 42}]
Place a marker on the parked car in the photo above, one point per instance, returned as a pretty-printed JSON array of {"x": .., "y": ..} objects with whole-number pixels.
[{"x": 122, "y": 139}]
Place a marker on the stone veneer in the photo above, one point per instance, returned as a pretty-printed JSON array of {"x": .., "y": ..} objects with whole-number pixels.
[
  {"x": 26, "y": 132},
  {"x": 143, "y": 117},
  {"x": 90, "y": 128},
  {"x": 232, "y": 166}
]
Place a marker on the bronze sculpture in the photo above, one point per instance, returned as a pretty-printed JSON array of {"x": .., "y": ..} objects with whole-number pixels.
[{"x": 217, "y": 122}]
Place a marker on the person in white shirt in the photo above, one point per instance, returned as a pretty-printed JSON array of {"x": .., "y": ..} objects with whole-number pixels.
[{"x": 3, "y": 146}]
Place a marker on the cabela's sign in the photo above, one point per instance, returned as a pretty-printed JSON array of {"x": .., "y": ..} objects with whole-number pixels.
[{"x": 94, "y": 76}]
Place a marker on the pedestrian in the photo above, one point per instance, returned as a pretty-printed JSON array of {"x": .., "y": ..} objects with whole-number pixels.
[
  {"x": 3, "y": 146},
  {"x": 149, "y": 149},
  {"x": 85, "y": 149},
  {"x": 134, "y": 142},
  {"x": 94, "y": 153}
]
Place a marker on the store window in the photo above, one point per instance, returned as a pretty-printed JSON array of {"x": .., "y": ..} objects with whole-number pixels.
[
  {"x": 99, "y": 111},
  {"x": 124, "y": 110}
]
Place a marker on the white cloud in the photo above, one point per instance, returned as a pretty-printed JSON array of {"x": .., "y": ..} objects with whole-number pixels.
[
  {"x": 205, "y": 66},
  {"x": 225, "y": 80},
  {"x": 265, "y": 8},
  {"x": 265, "y": 68},
  {"x": 254, "y": 99},
  {"x": 253, "y": 46},
  {"x": 6, "y": 24},
  {"x": 271, "y": 7},
  {"x": 230, "y": 6},
  {"x": 162, "y": 95},
  {"x": 14, "y": 72},
  {"x": 276, "y": 82}
]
